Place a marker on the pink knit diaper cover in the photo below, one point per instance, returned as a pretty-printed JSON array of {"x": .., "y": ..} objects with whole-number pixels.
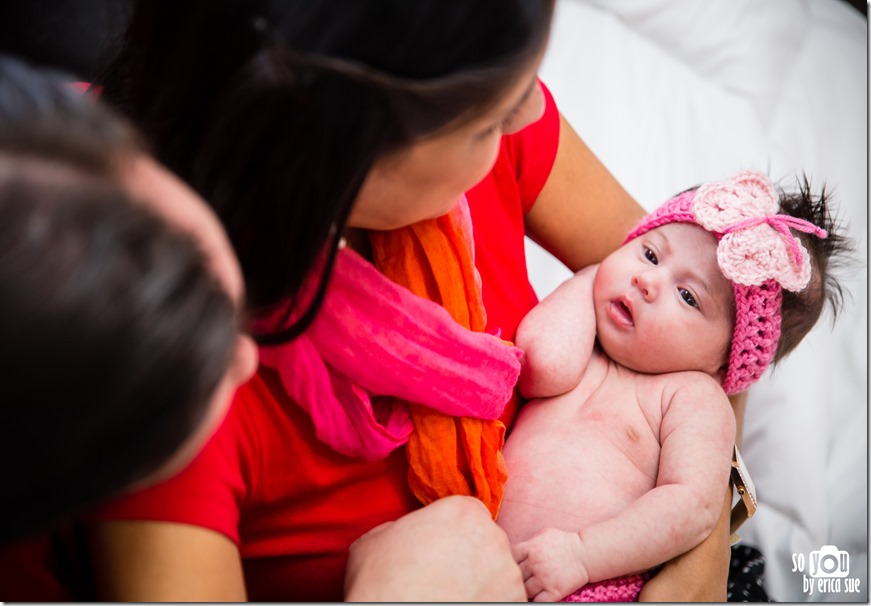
[{"x": 621, "y": 589}]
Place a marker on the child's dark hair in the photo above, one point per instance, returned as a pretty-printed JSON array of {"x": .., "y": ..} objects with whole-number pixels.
[
  {"x": 113, "y": 332},
  {"x": 801, "y": 310},
  {"x": 275, "y": 110}
]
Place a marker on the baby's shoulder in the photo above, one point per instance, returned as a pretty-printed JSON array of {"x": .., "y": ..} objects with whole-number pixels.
[
  {"x": 693, "y": 388},
  {"x": 691, "y": 379},
  {"x": 669, "y": 383}
]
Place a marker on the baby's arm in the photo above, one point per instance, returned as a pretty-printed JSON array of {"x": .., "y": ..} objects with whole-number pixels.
[
  {"x": 557, "y": 338},
  {"x": 696, "y": 438}
]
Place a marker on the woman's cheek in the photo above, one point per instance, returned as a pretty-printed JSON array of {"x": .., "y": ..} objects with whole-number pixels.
[{"x": 480, "y": 165}]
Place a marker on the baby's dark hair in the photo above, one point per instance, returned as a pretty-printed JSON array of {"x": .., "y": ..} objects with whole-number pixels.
[
  {"x": 800, "y": 311},
  {"x": 114, "y": 333}
]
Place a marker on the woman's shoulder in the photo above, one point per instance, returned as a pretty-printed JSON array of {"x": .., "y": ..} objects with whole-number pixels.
[{"x": 530, "y": 153}]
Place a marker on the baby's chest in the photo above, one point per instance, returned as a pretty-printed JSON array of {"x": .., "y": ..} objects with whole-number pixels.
[
  {"x": 600, "y": 428},
  {"x": 580, "y": 457},
  {"x": 627, "y": 423}
]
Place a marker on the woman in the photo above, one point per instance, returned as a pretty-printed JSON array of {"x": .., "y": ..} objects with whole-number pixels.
[
  {"x": 307, "y": 123},
  {"x": 114, "y": 264}
]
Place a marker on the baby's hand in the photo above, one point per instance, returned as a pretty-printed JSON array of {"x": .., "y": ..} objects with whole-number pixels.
[{"x": 552, "y": 563}]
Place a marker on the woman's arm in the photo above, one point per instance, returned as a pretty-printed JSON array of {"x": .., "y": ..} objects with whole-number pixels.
[
  {"x": 582, "y": 213},
  {"x": 449, "y": 551},
  {"x": 138, "y": 561}
]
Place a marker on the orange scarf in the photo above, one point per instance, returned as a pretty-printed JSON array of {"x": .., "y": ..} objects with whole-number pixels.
[{"x": 447, "y": 455}]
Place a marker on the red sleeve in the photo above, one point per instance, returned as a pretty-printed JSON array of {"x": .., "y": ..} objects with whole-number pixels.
[
  {"x": 532, "y": 151},
  {"x": 210, "y": 491},
  {"x": 498, "y": 205}
]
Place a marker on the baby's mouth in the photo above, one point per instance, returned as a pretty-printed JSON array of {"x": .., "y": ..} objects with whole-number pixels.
[{"x": 622, "y": 313}]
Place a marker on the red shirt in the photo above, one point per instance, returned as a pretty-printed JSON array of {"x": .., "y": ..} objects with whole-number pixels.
[
  {"x": 498, "y": 205},
  {"x": 291, "y": 503}
]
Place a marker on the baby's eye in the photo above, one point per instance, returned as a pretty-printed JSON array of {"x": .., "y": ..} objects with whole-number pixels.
[
  {"x": 650, "y": 256},
  {"x": 688, "y": 297}
]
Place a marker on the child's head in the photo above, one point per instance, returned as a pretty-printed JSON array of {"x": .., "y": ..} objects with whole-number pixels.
[
  {"x": 746, "y": 271},
  {"x": 117, "y": 337},
  {"x": 662, "y": 304}
]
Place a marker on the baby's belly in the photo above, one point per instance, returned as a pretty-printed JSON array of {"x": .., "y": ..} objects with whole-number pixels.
[{"x": 568, "y": 469}]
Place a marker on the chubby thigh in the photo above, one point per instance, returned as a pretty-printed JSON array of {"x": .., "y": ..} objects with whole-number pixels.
[{"x": 582, "y": 457}]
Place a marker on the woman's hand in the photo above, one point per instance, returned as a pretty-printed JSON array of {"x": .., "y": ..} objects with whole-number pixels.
[{"x": 448, "y": 551}]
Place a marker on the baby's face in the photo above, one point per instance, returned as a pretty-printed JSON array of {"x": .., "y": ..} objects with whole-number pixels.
[{"x": 662, "y": 304}]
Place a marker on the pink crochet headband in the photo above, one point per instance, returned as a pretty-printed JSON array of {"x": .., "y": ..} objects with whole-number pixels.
[{"x": 757, "y": 252}]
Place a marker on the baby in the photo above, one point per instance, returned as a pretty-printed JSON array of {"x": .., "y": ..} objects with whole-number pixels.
[{"x": 621, "y": 461}]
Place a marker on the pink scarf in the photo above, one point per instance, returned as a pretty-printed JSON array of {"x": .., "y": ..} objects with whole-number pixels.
[{"x": 372, "y": 338}]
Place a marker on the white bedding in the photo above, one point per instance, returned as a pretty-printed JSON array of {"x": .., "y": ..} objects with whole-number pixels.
[{"x": 670, "y": 93}]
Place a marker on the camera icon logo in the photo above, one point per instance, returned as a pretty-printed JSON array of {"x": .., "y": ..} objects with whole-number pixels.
[{"x": 828, "y": 562}]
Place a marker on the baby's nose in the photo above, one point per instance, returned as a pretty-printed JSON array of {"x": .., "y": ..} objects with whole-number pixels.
[{"x": 646, "y": 284}]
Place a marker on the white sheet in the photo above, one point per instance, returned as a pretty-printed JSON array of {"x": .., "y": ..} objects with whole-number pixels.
[{"x": 670, "y": 93}]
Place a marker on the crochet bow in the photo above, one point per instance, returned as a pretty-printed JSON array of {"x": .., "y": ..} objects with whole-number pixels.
[{"x": 757, "y": 244}]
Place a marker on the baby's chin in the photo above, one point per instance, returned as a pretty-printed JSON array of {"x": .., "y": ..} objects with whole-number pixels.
[
  {"x": 648, "y": 363},
  {"x": 623, "y": 358},
  {"x": 636, "y": 365}
]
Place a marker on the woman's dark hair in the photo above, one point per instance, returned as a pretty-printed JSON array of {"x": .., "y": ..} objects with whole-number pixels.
[
  {"x": 113, "y": 332},
  {"x": 275, "y": 111}
]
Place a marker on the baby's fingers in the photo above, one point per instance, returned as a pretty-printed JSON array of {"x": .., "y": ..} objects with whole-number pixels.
[
  {"x": 520, "y": 551},
  {"x": 536, "y": 591},
  {"x": 534, "y": 588},
  {"x": 547, "y": 596},
  {"x": 521, "y": 556}
]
